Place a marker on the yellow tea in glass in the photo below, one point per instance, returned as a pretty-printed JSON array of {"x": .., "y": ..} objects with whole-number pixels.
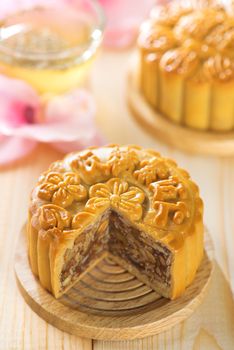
[{"x": 51, "y": 47}]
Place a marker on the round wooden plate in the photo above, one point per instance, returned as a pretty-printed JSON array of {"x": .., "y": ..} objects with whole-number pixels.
[
  {"x": 185, "y": 139},
  {"x": 109, "y": 303}
]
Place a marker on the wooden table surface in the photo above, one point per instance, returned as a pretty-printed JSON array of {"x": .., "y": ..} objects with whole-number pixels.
[{"x": 212, "y": 325}]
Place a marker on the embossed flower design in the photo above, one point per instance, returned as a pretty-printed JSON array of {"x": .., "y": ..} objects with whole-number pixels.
[
  {"x": 51, "y": 216},
  {"x": 151, "y": 170},
  {"x": 91, "y": 168},
  {"x": 62, "y": 189},
  {"x": 117, "y": 194},
  {"x": 122, "y": 160}
]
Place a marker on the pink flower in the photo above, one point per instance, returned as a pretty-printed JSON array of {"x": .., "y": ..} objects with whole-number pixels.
[
  {"x": 66, "y": 122},
  {"x": 123, "y": 20}
]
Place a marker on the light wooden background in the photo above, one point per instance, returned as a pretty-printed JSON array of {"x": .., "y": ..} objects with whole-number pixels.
[{"x": 212, "y": 325}]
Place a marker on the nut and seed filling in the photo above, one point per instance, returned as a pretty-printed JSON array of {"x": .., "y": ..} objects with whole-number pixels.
[
  {"x": 150, "y": 258},
  {"x": 113, "y": 233},
  {"x": 88, "y": 247}
]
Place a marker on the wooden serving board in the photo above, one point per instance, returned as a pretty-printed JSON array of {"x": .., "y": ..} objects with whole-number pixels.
[
  {"x": 161, "y": 128},
  {"x": 109, "y": 303}
]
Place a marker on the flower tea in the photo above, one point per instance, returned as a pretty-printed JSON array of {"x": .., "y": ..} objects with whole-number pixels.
[{"x": 50, "y": 48}]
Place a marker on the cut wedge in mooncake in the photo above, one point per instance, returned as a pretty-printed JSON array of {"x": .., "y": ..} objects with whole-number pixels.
[{"x": 120, "y": 200}]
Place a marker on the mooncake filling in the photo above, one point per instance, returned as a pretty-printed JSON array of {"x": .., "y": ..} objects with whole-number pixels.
[{"x": 131, "y": 246}]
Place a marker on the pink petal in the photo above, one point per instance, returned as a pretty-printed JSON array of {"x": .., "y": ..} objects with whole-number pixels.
[
  {"x": 68, "y": 118},
  {"x": 120, "y": 38},
  {"x": 18, "y": 89},
  {"x": 70, "y": 107},
  {"x": 16, "y": 98},
  {"x": 95, "y": 140},
  {"x": 54, "y": 132},
  {"x": 13, "y": 148},
  {"x": 123, "y": 20}
]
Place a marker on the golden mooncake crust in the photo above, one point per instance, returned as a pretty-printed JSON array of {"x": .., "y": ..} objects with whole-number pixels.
[
  {"x": 194, "y": 67},
  {"x": 149, "y": 191}
]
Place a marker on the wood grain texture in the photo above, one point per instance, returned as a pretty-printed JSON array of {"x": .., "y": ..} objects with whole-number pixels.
[
  {"x": 108, "y": 302},
  {"x": 212, "y": 323},
  {"x": 20, "y": 328},
  {"x": 185, "y": 139}
]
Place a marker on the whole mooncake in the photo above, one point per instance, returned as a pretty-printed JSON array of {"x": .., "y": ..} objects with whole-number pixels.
[
  {"x": 187, "y": 65},
  {"x": 124, "y": 201}
]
